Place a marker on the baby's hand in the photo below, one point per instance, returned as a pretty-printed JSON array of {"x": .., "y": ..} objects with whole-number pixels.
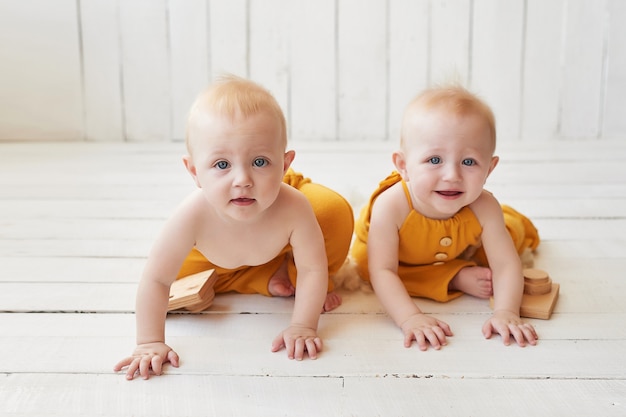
[
  {"x": 425, "y": 329},
  {"x": 507, "y": 324},
  {"x": 297, "y": 340},
  {"x": 146, "y": 357}
]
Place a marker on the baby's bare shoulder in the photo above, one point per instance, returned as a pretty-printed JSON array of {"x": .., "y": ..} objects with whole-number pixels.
[
  {"x": 195, "y": 202},
  {"x": 292, "y": 209},
  {"x": 392, "y": 203},
  {"x": 485, "y": 203},
  {"x": 487, "y": 209},
  {"x": 290, "y": 197},
  {"x": 192, "y": 210},
  {"x": 393, "y": 194}
]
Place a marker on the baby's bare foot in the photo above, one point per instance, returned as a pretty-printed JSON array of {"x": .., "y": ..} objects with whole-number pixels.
[
  {"x": 279, "y": 284},
  {"x": 333, "y": 300},
  {"x": 473, "y": 280}
]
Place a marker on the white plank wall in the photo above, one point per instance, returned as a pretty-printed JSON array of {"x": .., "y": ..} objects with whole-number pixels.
[
  {"x": 100, "y": 70},
  {"x": 313, "y": 102},
  {"x": 102, "y": 88},
  {"x": 362, "y": 68},
  {"x": 614, "y": 120},
  {"x": 584, "y": 57},
  {"x": 496, "y": 59},
  {"x": 146, "y": 75},
  {"x": 450, "y": 41},
  {"x": 41, "y": 94},
  {"x": 540, "y": 111},
  {"x": 408, "y": 51},
  {"x": 189, "y": 52}
]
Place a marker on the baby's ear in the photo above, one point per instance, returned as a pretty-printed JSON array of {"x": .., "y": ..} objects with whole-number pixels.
[
  {"x": 399, "y": 161},
  {"x": 288, "y": 159},
  {"x": 492, "y": 165},
  {"x": 191, "y": 168}
]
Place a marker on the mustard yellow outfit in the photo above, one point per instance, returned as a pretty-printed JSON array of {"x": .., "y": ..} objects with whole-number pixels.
[
  {"x": 431, "y": 252},
  {"x": 336, "y": 219}
]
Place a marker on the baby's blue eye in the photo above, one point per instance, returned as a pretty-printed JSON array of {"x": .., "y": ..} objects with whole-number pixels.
[
  {"x": 260, "y": 162},
  {"x": 435, "y": 160},
  {"x": 222, "y": 164},
  {"x": 469, "y": 162}
]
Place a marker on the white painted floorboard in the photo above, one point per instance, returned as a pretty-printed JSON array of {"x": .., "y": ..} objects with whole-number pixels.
[{"x": 77, "y": 221}]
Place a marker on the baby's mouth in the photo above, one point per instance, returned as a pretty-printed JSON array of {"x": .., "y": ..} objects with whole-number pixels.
[
  {"x": 242, "y": 200},
  {"x": 450, "y": 193}
]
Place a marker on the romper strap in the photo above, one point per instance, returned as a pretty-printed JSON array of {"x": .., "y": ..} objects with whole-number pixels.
[{"x": 407, "y": 193}]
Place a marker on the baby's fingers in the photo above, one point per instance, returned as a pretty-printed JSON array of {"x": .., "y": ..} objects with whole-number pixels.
[
  {"x": 313, "y": 346},
  {"x": 278, "y": 343},
  {"x": 299, "y": 348},
  {"x": 132, "y": 364},
  {"x": 157, "y": 365},
  {"x": 132, "y": 369},
  {"x": 523, "y": 333},
  {"x": 445, "y": 327},
  {"x": 145, "y": 364},
  {"x": 531, "y": 333},
  {"x": 122, "y": 364},
  {"x": 435, "y": 336},
  {"x": 418, "y": 336},
  {"x": 173, "y": 358},
  {"x": 290, "y": 345},
  {"x": 502, "y": 329}
]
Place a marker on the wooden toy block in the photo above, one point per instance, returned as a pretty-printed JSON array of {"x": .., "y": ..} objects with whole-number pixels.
[
  {"x": 539, "y": 306},
  {"x": 533, "y": 275},
  {"x": 194, "y": 292},
  {"x": 201, "y": 306},
  {"x": 536, "y": 282},
  {"x": 537, "y": 288},
  {"x": 540, "y": 295}
]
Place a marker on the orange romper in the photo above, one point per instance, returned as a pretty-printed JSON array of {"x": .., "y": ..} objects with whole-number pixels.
[
  {"x": 336, "y": 219},
  {"x": 431, "y": 251}
]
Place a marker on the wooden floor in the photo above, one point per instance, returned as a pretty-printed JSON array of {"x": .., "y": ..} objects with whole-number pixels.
[{"x": 77, "y": 221}]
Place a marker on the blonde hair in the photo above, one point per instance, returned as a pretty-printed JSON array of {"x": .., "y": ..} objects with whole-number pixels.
[
  {"x": 454, "y": 99},
  {"x": 233, "y": 96}
]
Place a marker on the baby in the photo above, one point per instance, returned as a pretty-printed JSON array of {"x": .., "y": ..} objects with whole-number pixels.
[
  {"x": 252, "y": 219},
  {"x": 431, "y": 230}
]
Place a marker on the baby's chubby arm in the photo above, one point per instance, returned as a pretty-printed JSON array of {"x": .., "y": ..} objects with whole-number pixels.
[
  {"x": 168, "y": 252},
  {"x": 388, "y": 213},
  {"x": 508, "y": 279},
  {"x": 309, "y": 255}
]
